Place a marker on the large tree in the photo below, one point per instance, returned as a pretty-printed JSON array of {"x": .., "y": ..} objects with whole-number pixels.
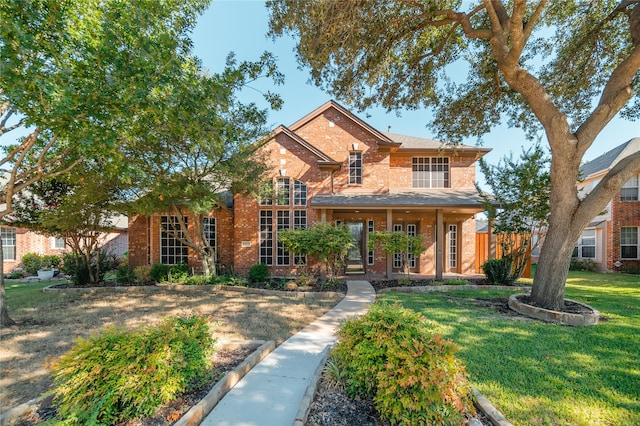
[
  {"x": 566, "y": 68},
  {"x": 73, "y": 73},
  {"x": 203, "y": 146}
]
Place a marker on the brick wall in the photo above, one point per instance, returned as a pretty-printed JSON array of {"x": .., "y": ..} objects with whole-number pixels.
[{"x": 623, "y": 214}]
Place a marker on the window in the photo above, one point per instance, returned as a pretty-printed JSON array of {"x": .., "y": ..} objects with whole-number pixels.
[
  {"x": 172, "y": 249},
  {"x": 266, "y": 194},
  {"x": 299, "y": 222},
  {"x": 629, "y": 191},
  {"x": 283, "y": 221},
  {"x": 411, "y": 231},
  {"x": 8, "y": 236},
  {"x": 355, "y": 168},
  {"x": 430, "y": 172},
  {"x": 370, "y": 229},
  {"x": 629, "y": 242},
  {"x": 586, "y": 247},
  {"x": 299, "y": 193},
  {"x": 283, "y": 191},
  {"x": 209, "y": 225},
  {"x": 266, "y": 237},
  {"x": 57, "y": 243},
  {"x": 453, "y": 247}
]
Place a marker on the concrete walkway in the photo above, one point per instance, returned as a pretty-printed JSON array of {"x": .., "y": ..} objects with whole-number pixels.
[{"x": 272, "y": 392}]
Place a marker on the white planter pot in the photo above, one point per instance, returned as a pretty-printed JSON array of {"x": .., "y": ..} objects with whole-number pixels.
[{"x": 45, "y": 274}]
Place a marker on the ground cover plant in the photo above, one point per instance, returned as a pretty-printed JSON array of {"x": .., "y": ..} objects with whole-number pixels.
[
  {"x": 47, "y": 323},
  {"x": 546, "y": 374}
]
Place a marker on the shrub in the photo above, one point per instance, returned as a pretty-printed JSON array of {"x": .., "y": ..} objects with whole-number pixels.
[
  {"x": 159, "y": 272},
  {"x": 197, "y": 280},
  {"x": 178, "y": 273},
  {"x": 142, "y": 273},
  {"x": 76, "y": 266},
  {"x": 392, "y": 355},
  {"x": 258, "y": 273},
  {"x": 586, "y": 265},
  {"x": 120, "y": 375},
  {"x": 498, "y": 271},
  {"x": 31, "y": 262},
  {"x": 124, "y": 274},
  {"x": 234, "y": 280}
]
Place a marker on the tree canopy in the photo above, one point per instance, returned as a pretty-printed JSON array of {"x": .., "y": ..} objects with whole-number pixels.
[{"x": 564, "y": 68}]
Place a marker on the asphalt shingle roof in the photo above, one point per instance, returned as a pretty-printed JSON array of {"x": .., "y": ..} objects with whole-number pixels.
[
  {"x": 433, "y": 198},
  {"x": 610, "y": 158}
]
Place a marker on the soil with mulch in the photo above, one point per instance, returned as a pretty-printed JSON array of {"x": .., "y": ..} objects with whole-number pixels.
[
  {"x": 380, "y": 284},
  {"x": 223, "y": 362}
]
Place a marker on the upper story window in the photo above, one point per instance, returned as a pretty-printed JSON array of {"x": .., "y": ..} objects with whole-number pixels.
[
  {"x": 283, "y": 191},
  {"x": 629, "y": 191},
  {"x": 355, "y": 168},
  {"x": 430, "y": 172},
  {"x": 299, "y": 193}
]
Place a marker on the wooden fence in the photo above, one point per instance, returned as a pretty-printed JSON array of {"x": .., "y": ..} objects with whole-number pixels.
[{"x": 482, "y": 253}]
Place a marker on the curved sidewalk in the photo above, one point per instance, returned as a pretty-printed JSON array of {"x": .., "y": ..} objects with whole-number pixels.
[{"x": 272, "y": 392}]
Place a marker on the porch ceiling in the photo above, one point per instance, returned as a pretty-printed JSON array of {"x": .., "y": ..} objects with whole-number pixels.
[{"x": 465, "y": 201}]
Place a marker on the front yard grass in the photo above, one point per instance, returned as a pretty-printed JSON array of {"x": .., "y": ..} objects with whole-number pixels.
[
  {"x": 545, "y": 374},
  {"x": 48, "y": 323}
]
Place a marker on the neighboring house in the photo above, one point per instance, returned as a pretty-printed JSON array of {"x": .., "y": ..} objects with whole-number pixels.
[
  {"x": 331, "y": 166},
  {"x": 612, "y": 239},
  {"x": 18, "y": 241}
]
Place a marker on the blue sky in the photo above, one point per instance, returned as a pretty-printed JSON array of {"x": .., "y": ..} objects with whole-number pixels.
[{"x": 241, "y": 26}]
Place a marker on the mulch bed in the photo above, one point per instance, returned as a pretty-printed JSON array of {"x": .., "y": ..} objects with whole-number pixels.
[
  {"x": 223, "y": 362},
  {"x": 569, "y": 306}
]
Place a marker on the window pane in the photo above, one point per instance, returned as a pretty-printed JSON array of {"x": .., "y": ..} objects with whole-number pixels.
[
  {"x": 283, "y": 191},
  {"x": 430, "y": 172},
  {"x": 283, "y": 222},
  {"x": 629, "y": 252},
  {"x": 355, "y": 168},
  {"x": 299, "y": 193},
  {"x": 172, "y": 249},
  {"x": 629, "y": 235},
  {"x": 629, "y": 191},
  {"x": 266, "y": 237}
]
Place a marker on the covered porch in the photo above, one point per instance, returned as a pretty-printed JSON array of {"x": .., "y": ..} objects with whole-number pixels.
[{"x": 445, "y": 219}]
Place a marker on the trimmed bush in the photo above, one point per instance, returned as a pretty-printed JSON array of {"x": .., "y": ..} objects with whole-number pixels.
[
  {"x": 124, "y": 274},
  {"x": 498, "y": 271},
  {"x": 120, "y": 375},
  {"x": 258, "y": 273},
  {"x": 179, "y": 273},
  {"x": 159, "y": 272},
  {"x": 585, "y": 265},
  {"x": 31, "y": 262},
  {"x": 392, "y": 356},
  {"x": 142, "y": 273}
]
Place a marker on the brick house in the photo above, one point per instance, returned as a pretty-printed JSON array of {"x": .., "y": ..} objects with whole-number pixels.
[
  {"x": 16, "y": 242},
  {"x": 612, "y": 239},
  {"x": 331, "y": 166}
]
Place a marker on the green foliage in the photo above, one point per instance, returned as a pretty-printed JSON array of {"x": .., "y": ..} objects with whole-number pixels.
[
  {"x": 498, "y": 271},
  {"x": 258, "y": 273},
  {"x": 457, "y": 281},
  {"x": 124, "y": 274},
  {"x": 84, "y": 271},
  {"x": 31, "y": 262},
  {"x": 197, "y": 280},
  {"x": 142, "y": 273},
  {"x": 329, "y": 243},
  {"x": 159, "y": 272},
  {"x": 585, "y": 265},
  {"x": 392, "y": 355},
  {"x": 120, "y": 375},
  {"x": 520, "y": 210},
  {"x": 398, "y": 242},
  {"x": 178, "y": 273}
]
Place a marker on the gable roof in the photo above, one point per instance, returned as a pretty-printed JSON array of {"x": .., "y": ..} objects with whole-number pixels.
[
  {"x": 381, "y": 138},
  {"x": 610, "y": 158},
  {"x": 324, "y": 161}
]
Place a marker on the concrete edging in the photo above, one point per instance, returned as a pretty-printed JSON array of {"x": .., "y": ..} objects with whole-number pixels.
[
  {"x": 483, "y": 404},
  {"x": 199, "y": 411},
  {"x": 431, "y": 288},
  {"x": 310, "y": 393},
  {"x": 565, "y": 318},
  {"x": 195, "y": 415}
]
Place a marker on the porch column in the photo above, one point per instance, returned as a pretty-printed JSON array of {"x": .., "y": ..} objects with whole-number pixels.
[
  {"x": 389, "y": 257},
  {"x": 323, "y": 215},
  {"x": 439, "y": 244}
]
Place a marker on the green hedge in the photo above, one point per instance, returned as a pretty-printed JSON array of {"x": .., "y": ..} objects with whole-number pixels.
[
  {"x": 392, "y": 356},
  {"x": 120, "y": 375}
]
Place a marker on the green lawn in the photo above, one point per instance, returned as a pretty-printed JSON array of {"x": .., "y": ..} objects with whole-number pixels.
[{"x": 546, "y": 374}]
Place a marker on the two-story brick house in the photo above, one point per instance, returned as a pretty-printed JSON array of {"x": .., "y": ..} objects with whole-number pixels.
[
  {"x": 612, "y": 239},
  {"x": 331, "y": 166}
]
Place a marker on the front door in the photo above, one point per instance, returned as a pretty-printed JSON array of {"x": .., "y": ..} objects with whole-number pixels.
[{"x": 355, "y": 263}]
